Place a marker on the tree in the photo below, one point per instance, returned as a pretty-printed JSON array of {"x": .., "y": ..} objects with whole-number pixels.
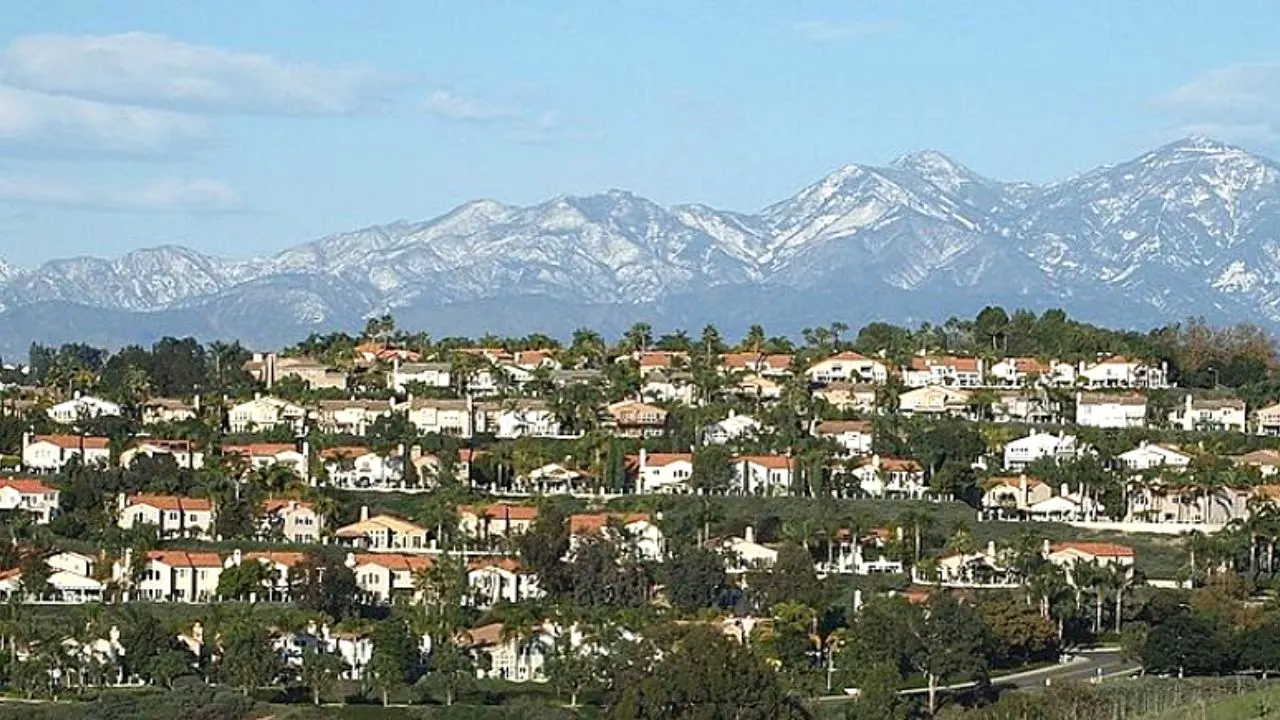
[
  {"x": 703, "y": 675},
  {"x": 944, "y": 640},
  {"x": 638, "y": 337},
  {"x": 544, "y": 547},
  {"x": 451, "y": 671},
  {"x": 791, "y": 579},
  {"x": 35, "y": 575},
  {"x": 572, "y": 670},
  {"x": 248, "y": 661},
  {"x": 320, "y": 584},
  {"x": 395, "y": 662},
  {"x": 712, "y": 469},
  {"x": 1019, "y": 631},
  {"x": 1186, "y": 643},
  {"x": 320, "y": 671},
  {"x": 694, "y": 579}
]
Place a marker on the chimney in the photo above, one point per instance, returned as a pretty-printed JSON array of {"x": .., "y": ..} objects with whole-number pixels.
[
  {"x": 749, "y": 534},
  {"x": 1046, "y": 547},
  {"x": 350, "y": 561},
  {"x": 991, "y": 548},
  {"x": 237, "y": 557},
  {"x": 644, "y": 458},
  {"x": 364, "y": 512}
]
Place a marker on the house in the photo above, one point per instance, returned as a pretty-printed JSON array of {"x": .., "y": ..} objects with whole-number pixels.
[
  {"x": 50, "y": 453},
  {"x": 29, "y": 495},
  {"x": 443, "y": 417},
  {"x": 1068, "y": 555},
  {"x": 1016, "y": 372},
  {"x": 82, "y": 407},
  {"x": 634, "y": 530},
  {"x": 428, "y": 467},
  {"x": 264, "y": 412},
  {"x": 315, "y": 375},
  {"x": 385, "y": 577},
  {"x": 1267, "y": 421},
  {"x": 184, "y": 452},
  {"x": 652, "y": 361},
  {"x": 630, "y": 418},
  {"x": 1032, "y": 406},
  {"x": 1209, "y": 414},
  {"x": 294, "y": 521},
  {"x": 371, "y": 352},
  {"x": 174, "y": 516},
  {"x": 428, "y": 374},
  {"x": 575, "y": 376},
  {"x": 553, "y": 479},
  {"x": 771, "y": 365},
  {"x": 734, "y": 427},
  {"x": 278, "y": 587},
  {"x": 1011, "y": 496},
  {"x": 532, "y": 360},
  {"x": 757, "y": 387},
  {"x": 1266, "y": 461},
  {"x": 848, "y": 367},
  {"x": 935, "y": 400},
  {"x": 170, "y": 410},
  {"x": 257, "y": 456},
  {"x": 169, "y": 576},
  {"x": 969, "y": 569},
  {"x": 892, "y": 478},
  {"x": 862, "y": 556},
  {"x": 384, "y": 533},
  {"x": 1166, "y": 502},
  {"x": 498, "y": 520},
  {"x": 1119, "y": 371},
  {"x": 354, "y": 649},
  {"x": 1066, "y": 506},
  {"x": 1020, "y": 453},
  {"x": 70, "y": 581},
  {"x": 847, "y": 397},
  {"x": 744, "y": 554},
  {"x": 358, "y": 467},
  {"x": 500, "y": 579},
  {"x": 852, "y": 435},
  {"x": 516, "y": 418},
  {"x": 769, "y": 475},
  {"x": 510, "y": 658},
  {"x": 1111, "y": 410},
  {"x": 351, "y": 417},
  {"x": 669, "y": 386},
  {"x": 944, "y": 370},
  {"x": 1148, "y": 456},
  {"x": 661, "y": 473}
]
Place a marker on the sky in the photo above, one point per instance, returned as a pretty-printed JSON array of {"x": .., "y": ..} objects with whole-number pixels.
[{"x": 241, "y": 128}]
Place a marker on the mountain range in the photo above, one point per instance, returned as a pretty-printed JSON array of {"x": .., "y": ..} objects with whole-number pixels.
[{"x": 1190, "y": 228}]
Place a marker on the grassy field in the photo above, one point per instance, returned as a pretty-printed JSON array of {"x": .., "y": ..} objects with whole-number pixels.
[{"x": 1260, "y": 704}]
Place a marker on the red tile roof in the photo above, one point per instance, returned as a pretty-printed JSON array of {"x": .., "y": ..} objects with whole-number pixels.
[
  {"x": 287, "y": 559},
  {"x": 394, "y": 561},
  {"x": 75, "y": 442},
  {"x": 258, "y": 449},
  {"x": 501, "y": 511},
  {"x": 660, "y": 459},
  {"x": 961, "y": 364},
  {"x": 27, "y": 486},
  {"x": 182, "y": 558},
  {"x": 1096, "y": 549},
  {"x": 170, "y": 502},
  {"x": 773, "y": 462},
  {"x": 587, "y": 524},
  {"x": 277, "y": 504},
  {"x": 348, "y": 451},
  {"x": 839, "y": 427},
  {"x": 743, "y": 360}
]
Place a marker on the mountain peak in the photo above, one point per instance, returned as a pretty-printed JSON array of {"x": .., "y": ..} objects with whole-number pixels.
[
  {"x": 1200, "y": 145},
  {"x": 938, "y": 169}
]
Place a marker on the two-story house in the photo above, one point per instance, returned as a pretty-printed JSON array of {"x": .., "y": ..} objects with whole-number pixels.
[
  {"x": 1119, "y": 371},
  {"x": 500, "y": 579},
  {"x": 445, "y": 417},
  {"x": 944, "y": 370},
  {"x": 173, "y": 516},
  {"x": 1020, "y": 453},
  {"x": 635, "y": 530},
  {"x": 1109, "y": 410},
  {"x": 848, "y": 367},
  {"x": 30, "y": 496},
  {"x": 50, "y": 453},
  {"x": 848, "y": 396},
  {"x": 853, "y": 435},
  {"x": 351, "y": 417},
  {"x": 386, "y": 577},
  {"x": 767, "y": 365},
  {"x": 935, "y": 400},
  {"x": 1149, "y": 456},
  {"x": 169, "y": 410},
  {"x": 428, "y": 374},
  {"x": 734, "y": 427},
  {"x": 294, "y": 521},
  {"x": 523, "y": 417},
  {"x": 1016, "y": 372},
  {"x": 769, "y": 475},
  {"x": 264, "y": 412},
  {"x": 384, "y": 533},
  {"x": 82, "y": 407},
  {"x": 185, "y": 454},
  {"x": 661, "y": 473},
  {"x": 358, "y": 467},
  {"x": 1198, "y": 413},
  {"x": 893, "y": 478},
  {"x": 631, "y": 418},
  {"x": 169, "y": 576},
  {"x": 497, "y": 520}
]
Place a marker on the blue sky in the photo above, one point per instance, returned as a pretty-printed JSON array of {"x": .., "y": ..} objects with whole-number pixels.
[{"x": 241, "y": 128}]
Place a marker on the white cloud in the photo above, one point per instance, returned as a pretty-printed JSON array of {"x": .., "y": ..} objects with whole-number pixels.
[
  {"x": 194, "y": 196},
  {"x": 1239, "y": 102},
  {"x": 138, "y": 68},
  {"x": 822, "y": 31},
  {"x": 31, "y": 120},
  {"x": 450, "y": 105}
]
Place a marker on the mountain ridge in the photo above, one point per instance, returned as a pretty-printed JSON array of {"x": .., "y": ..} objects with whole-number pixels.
[{"x": 1191, "y": 227}]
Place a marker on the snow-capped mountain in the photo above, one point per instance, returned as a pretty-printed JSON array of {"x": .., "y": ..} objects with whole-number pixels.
[{"x": 1189, "y": 228}]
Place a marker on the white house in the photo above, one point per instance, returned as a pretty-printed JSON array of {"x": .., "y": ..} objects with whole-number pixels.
[
  {"x": 970, "y": 569},
  {"x": 50, "y": 453},
  {"x": 173, "y": 516},
  {"x": 770, "y": 475},
  {"x": 497, "y": 520},
  {"x": 1013, "y": 495},
  {"x": 893, "y": 478},
  {"x": 170, "y": 576},
  {"x": 1266, "y": 421},
  {"x": 945, "y": 370},
  {"x": 638, "y": 532},
  {"x": 1068, "y": 555},
  {"x": 662, "y": 473},
  {"x": 1020, "y": 453},
  {"x": 744, "y": 554},
  {"x": 553, "y": 479},
  {"x": 265, "y": 413},
  {"x": 516, "y": 419},
  {"x": 935, "y": 400},
  {"x": 82, "y": 407},
  {"x": 30, "y": 496},
  {"x": 668, "y": 386},
  {"x": 853, "y": 435},
  {"x": 510, "y": 658},
  {"x": 734, "y": 427},
  {"x": 1209, "y": 414},
  {"x": 183, "y": 452},
  {"x": 278, "y": 586},
  {"x": 1016, "y": 372},
  {"x": 351, "y": 417},
  {"x": 500, "y": 579},
  {"x": 1119, "y": 371},
  {"x": 445, "y": 417},
  {"x": 429, "y": 374},
  {"x": 295, "y": 521},
  {"x": 1105, "y": 410},
  {"x": 353, "y": 648},
  {"x": 862, "y": 556},
  {"x": 264, "y": 455},
  {"x": 170, "y": 410},
  {"x": 848, "y": 396},
  {"x": 354, "y": 466},
  {"x": 846, "y": 367},
  {"x": 69, "y": 581},
  {"x": 383, "y": 577},
  {"x": 1148, "y": 456},
  {"x": 384, "y": 533},
  {"x": 775, "y": 365}
]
